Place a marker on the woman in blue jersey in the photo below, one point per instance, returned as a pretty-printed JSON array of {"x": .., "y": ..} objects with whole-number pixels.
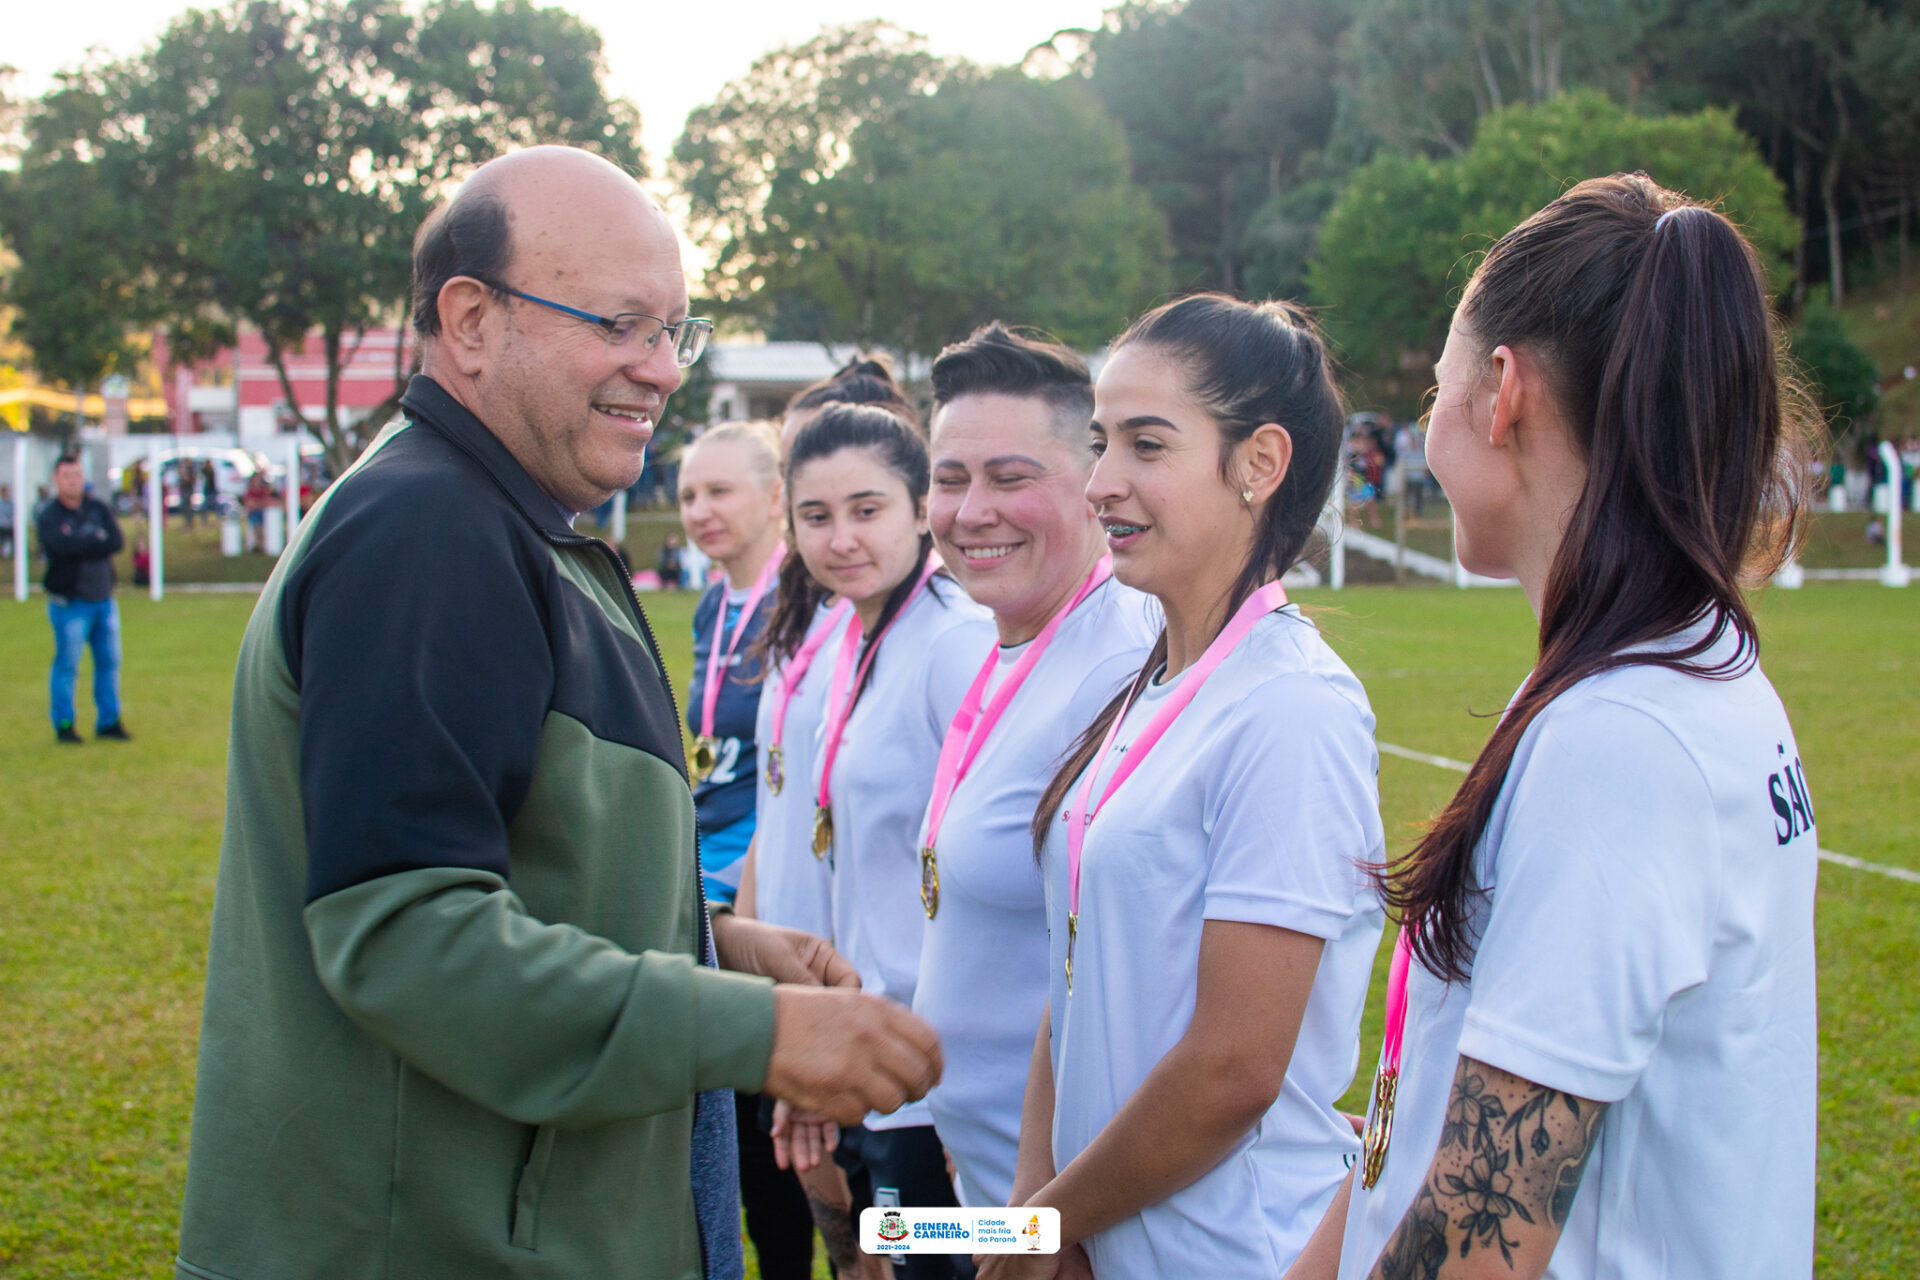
[{"x": 730, "y": 506}]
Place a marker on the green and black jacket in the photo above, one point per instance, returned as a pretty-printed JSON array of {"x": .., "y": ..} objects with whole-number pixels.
[{"x": 454, "y": 1021}]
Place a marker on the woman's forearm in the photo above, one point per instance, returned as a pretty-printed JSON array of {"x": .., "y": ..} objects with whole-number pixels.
[
  {"x": 1033, "y": 1168},
  {"x": 1182, "y": 1121}
]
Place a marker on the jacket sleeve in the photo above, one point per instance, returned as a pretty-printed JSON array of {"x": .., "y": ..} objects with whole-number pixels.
[
  {"x": 115, "y": 541},
  {"x": 67, "y": 533},
  {"x": 417, "y": 637},
  {"x": 541, "y": 1022}
]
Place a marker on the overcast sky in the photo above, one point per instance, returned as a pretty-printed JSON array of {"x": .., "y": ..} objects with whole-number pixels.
[{"x": 667, "y": 57}]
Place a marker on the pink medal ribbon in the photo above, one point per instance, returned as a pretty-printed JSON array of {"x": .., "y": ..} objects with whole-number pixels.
[
  {"x": 840, "y": 705},
  {"x": 1081, "y": 813},
  {"x": 971, "y": 729},
  {"x": 706, "y": 747},
  {"x": 1386, "y": 1081},
  {"x": 791, "y": 675}
]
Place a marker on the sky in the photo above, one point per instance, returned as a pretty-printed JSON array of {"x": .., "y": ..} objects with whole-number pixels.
[{"x": 666, "y": 57}]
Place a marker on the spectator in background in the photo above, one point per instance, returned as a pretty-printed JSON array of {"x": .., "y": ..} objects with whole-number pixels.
[
  {"x": 210, "y": 487},
  {"x": 667, "y": 563},
  {"x": 6, "y": 521},
  {"x": 80, "y": 538},
  {"x": 257, "y": 498}
]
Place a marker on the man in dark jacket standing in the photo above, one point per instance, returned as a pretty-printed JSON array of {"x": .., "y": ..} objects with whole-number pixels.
[
  {"x": 462, "y": 1019},
  {"x": 80, "y": 538}
]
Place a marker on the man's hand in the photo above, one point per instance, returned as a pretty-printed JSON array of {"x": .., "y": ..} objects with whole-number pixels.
[
  {"x": 785, "y": 955},
  {"x": 842, "y": 1054}
]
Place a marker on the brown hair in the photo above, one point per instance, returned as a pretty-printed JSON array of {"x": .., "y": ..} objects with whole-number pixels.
[
  {"x": 865, "y": 379},
  {"x": 1649, "y": 314},
  {"x": 1246, "y": 364}
]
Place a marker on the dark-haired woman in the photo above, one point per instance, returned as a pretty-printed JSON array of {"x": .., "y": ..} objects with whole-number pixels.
[
  {"x": 1212, "y": 929},
  {"x": 857, "y": 482},
  {"x": 1604, "y": 998}
]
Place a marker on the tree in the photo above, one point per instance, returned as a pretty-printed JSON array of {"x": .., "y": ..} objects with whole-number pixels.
[
  {"x": 1419, "y": 75},
  {"x": 266, "y": 164},
  {"x": 1395, "y": 249},
  {"x": 749, "y": 160},
  {"x": 1844, "y": 379},
  {"x": 1227, "y": 106},
  {"x": 856, "y": 189},
  {"x": 996, "y": 196},
  {"x": 1825, "y": 87}
]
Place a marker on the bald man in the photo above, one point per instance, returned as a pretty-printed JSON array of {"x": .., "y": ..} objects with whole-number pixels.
[{"x": 461, "y": 1016}]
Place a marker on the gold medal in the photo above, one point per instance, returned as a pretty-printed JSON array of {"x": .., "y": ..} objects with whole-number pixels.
[
  {"x": 1379, "y": 1131},
  {"x": 929, "y": 882},
  {"x": 776, "y": 770},
  {"x": 822, "y": 831},
  {"x": 1073, "y": 933},
  {"x": 706, "y": 754}
]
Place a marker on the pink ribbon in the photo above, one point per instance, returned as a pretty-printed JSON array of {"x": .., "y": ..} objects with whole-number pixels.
[
  {"x": 1081, "y": 813},
  {"x": 710, "y": 694},
  {"x": 970, "y": 730}
]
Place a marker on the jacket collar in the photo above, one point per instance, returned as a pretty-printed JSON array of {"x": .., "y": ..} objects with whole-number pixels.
[{"x": 428, "y": 404}]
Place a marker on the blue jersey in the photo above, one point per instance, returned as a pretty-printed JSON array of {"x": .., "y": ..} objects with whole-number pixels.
[{"x": 726, "y": 796}]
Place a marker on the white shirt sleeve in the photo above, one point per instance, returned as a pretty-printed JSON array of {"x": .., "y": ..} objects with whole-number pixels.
[
  {"x": 1294, "y": 812},
  {"x": 1604, "y": 889},
  {"x": 952, "y": 661}
]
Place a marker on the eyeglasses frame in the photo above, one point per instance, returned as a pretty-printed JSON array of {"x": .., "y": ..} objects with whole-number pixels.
[{"x": 609, "y": 323}]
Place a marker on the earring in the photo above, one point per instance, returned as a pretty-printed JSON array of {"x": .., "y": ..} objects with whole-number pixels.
[{"x": 1246, "y": 496}]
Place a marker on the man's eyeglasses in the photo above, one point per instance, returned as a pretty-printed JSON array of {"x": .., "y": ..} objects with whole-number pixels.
[{"x": 689, "y": 336}]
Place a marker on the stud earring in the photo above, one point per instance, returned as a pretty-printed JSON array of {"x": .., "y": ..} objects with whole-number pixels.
[{"x": 1246, "y": 496}]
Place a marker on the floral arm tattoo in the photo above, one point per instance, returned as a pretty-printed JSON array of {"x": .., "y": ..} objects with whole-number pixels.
[{"x": 1501, "y": 1184}]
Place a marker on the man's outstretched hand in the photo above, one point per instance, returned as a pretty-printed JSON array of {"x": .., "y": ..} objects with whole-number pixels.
[
  {"x": 841, "y": 1054},
  {"x": 785, "y": 955}
]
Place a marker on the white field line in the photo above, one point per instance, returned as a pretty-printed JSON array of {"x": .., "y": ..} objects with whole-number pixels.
[{"x": 1826, "y": 855}]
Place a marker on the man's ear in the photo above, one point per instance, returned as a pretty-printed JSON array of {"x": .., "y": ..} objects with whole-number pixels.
[
  {"x": 464, "y": 305},
  {"x": 1265, "y": 457}
]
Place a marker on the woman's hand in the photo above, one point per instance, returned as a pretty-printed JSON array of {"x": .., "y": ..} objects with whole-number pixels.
[
  {"x": 802, "y": 1141},
  {"x": 1069, "y": 1264}
]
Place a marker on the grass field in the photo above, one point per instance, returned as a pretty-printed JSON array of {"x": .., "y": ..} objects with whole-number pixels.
[{"x": 109, "y": 851}]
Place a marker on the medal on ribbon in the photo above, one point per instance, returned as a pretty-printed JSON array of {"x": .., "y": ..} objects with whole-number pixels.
[
  {"x": 776, "y": 769},
  {"x": 929, "y": 882},
  {"x": 822, "y": 832},
  {"x": 1386, "y": 1081},
  {"x": 706, "y": 754}
]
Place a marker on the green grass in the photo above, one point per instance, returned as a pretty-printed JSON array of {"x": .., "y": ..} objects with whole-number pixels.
[{"x": 109, "y": 854}]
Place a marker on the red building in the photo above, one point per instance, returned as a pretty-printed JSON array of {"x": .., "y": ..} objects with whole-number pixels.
[{"x": 240, "y": 391}]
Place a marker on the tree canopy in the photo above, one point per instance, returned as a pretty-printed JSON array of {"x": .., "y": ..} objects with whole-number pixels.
[
  {"x": 267, "y": 164},
  {"x": 1398, "y": 246},
  {"x": 960, "y": 195}
]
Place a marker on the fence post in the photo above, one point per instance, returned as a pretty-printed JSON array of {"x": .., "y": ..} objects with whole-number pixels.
[
  {"x": 1894, "y": 573},
  {"x": 22, "y": 506},
  {"x": 617, "y": 522},
  {"x": 292, "y": 493},
  {"x": 156, "y": 521}
]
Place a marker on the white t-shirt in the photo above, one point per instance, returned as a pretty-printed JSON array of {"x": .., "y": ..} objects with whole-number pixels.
[
  {"x": 1646, "y": 940},
  {"x": 881, "y": 781},
  {"x": 791, "y": 886},
  {"x": 1260, "y": 804},
  {"x": 983, "y": 966}
]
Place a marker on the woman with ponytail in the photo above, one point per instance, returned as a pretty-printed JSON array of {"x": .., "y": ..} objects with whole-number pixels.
[
  {"x": 1601, "y": 1039},
  {"x": 857, "y": 481},
  {"x": 1204, "y": 842}
]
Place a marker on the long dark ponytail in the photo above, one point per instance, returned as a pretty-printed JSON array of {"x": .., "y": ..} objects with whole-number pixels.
[
  {"x": 1650, "y": 316},
  {"x": 1246, "y": 364}
]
